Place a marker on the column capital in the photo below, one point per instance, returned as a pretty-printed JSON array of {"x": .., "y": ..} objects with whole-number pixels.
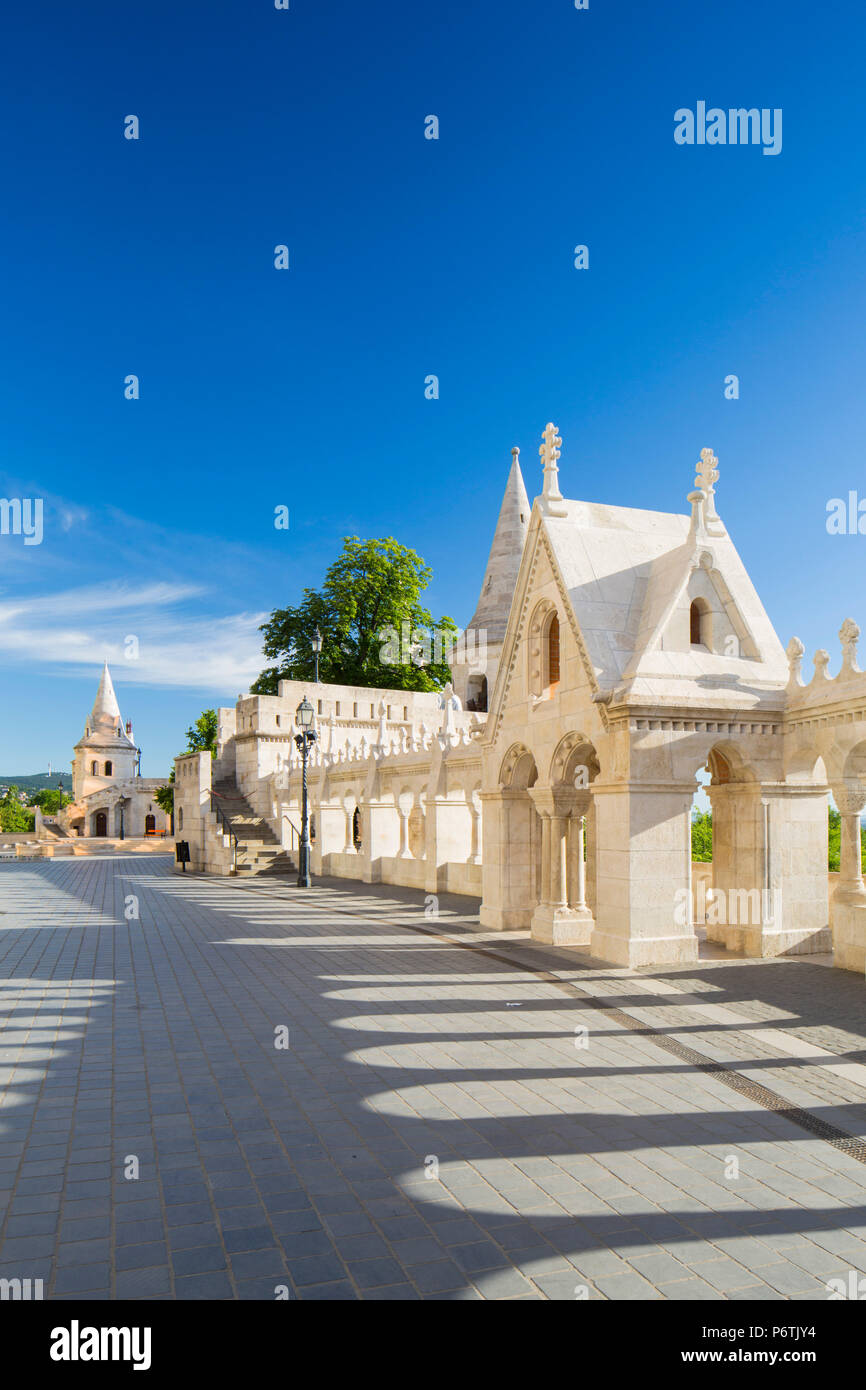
[{"x": 849, "y": 796}]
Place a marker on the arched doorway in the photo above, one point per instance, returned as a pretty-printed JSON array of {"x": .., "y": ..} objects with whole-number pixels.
[
  {"x": 150, "y": 825},
  {"x": 100, "y": 823}
]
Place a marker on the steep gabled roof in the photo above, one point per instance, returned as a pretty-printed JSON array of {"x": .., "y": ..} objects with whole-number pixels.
[{"x": 622, "y": 572}]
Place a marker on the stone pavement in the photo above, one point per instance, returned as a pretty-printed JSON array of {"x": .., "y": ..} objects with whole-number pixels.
[{"x": 454, "y": 1116}]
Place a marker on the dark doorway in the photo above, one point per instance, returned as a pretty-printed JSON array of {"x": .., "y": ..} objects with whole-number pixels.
[{"x": 100, "y": 823}]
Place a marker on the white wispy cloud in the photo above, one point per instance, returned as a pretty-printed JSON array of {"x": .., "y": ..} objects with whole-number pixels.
[{"x": 80, "y": 628}]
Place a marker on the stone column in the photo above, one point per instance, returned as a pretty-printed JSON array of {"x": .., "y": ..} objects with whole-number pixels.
[{"x": 848, "y": 908}]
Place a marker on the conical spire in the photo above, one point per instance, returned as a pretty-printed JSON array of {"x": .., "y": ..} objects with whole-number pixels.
[
  {"x": 106, "y": 711},
  {"x": 500, "y": 577}
]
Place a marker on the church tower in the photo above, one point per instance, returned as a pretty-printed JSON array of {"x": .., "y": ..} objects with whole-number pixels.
[
  {"x": 476, "y": 659},
  {"x": 107, "y": 752}
]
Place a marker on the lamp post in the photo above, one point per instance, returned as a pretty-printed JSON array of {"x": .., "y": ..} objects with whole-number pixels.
[
  {"x": 305, "y": 739},
  {"x": 316, "y": 644}
]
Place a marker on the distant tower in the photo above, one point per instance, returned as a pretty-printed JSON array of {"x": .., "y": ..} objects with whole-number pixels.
[
  {"x": 476, "y": 661},
  {"x": 106, "y": 753}
]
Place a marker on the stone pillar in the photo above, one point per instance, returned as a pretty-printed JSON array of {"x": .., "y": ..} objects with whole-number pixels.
[
  {"x": 507, "y": 871},
  {"x": 643, "y": 909},
  {"x": 848, "y": 908}
]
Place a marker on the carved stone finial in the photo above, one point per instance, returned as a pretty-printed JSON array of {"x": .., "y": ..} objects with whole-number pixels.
[
  {"x": 821, "y": 660},
  {"x": 848, "y": 635},
  {"x": 549, "y": 452},
  {"x": 794, "y": 652},
  {"x": 706, "y": 477}
]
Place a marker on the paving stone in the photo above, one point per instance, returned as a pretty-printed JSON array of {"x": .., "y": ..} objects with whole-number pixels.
[{"x": 614, "y": 1183}]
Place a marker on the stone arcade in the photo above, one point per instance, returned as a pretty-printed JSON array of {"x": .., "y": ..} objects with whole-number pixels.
[{"x": 622, "y": 652}]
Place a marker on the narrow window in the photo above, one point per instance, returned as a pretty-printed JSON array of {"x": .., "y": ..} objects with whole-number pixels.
[
  {"x": 108, "y": 769},
  {"x": 698, "y": 635},
  {"x": 553, "y": 651}
]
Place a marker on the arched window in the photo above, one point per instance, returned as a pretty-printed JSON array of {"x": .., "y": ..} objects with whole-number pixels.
[
  {"x": 700, "y": 624},
  {"x": 312, "y": 828},
  {"x": 356, "y": 828},
  {"x": 553, "y": 651},
  {"x": 94, "y": 769},
  {"x": 108, "y": 769}
]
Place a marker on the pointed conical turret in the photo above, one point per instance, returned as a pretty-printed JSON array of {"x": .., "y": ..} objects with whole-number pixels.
[
  {"x": 500, "y": 577},
  {"x": 105, "y": 714}
]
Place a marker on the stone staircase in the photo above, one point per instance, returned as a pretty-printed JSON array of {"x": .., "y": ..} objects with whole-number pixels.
[{"x": 259, "y": 851}]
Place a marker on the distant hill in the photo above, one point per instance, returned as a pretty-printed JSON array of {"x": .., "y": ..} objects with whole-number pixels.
[{"x": 37, "y": 781}]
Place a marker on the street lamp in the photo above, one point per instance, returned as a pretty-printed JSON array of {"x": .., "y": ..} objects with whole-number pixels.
[
  {"x": 305, "y": 739},
  {"x": 316, "y": 644}
]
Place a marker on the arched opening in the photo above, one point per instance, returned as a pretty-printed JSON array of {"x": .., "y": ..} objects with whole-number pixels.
[
  {"x": 543, "y": 651},
  {"x": 573, "y": 769},
  {"x": 150, "y": 825},
  {"x": 312, "y": 829},
  {"x": 476, "y": 694},
  {"x": 180, "y": 818},
  {"x": 108, "y": 769},
  {"x": 700, "y": 624},
  {"x": 100, "y": 824},
  {"x": 94, "y": 769},
  {"x": 356, "y": 828},
  {"x": 729, "y": 829}
]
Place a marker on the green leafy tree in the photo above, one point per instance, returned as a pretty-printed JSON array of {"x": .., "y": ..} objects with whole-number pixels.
[
  {"x": 50, "y": 800},
  {"x": 15, "y": 818},
  {"x": 375, "y": 631},
  {"x": 702, "y": 837},
  {"x": 201, "y": 737},
  {"x": 164, "y": 796}
]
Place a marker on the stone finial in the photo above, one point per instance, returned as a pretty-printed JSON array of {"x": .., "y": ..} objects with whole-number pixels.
[
  {"x": 794, "y": 652},
  {"x": 821, "y": 660},
  {"x": 849, "y": 632},
  {"x": 705, "y": 479},
  {"x": 551, "y": 448},
  {"x": 382, "y": 735}
]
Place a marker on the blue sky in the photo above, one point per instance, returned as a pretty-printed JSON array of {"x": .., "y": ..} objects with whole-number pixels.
[{"x": 408, "y": 257}]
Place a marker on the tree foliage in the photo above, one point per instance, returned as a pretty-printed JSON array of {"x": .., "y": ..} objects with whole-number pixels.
[
  {"x": 50, "y": 800},
  {"x": 164, "y": 796},
  {"x": 375, "y": 631},
  {"x": 201, "y": 737},
  {"x": 15, "y": 819},
  {"x": 702, "y": 837}
]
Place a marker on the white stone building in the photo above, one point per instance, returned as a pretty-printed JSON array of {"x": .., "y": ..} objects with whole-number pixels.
[
  {"x": 627, "y": 655},
  {"x": 110, "y": 799}
]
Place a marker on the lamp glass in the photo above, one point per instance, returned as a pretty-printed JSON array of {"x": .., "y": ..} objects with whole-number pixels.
[
  {"x": 304, "y": 714},
  {"x": 317, "y": 641}
]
